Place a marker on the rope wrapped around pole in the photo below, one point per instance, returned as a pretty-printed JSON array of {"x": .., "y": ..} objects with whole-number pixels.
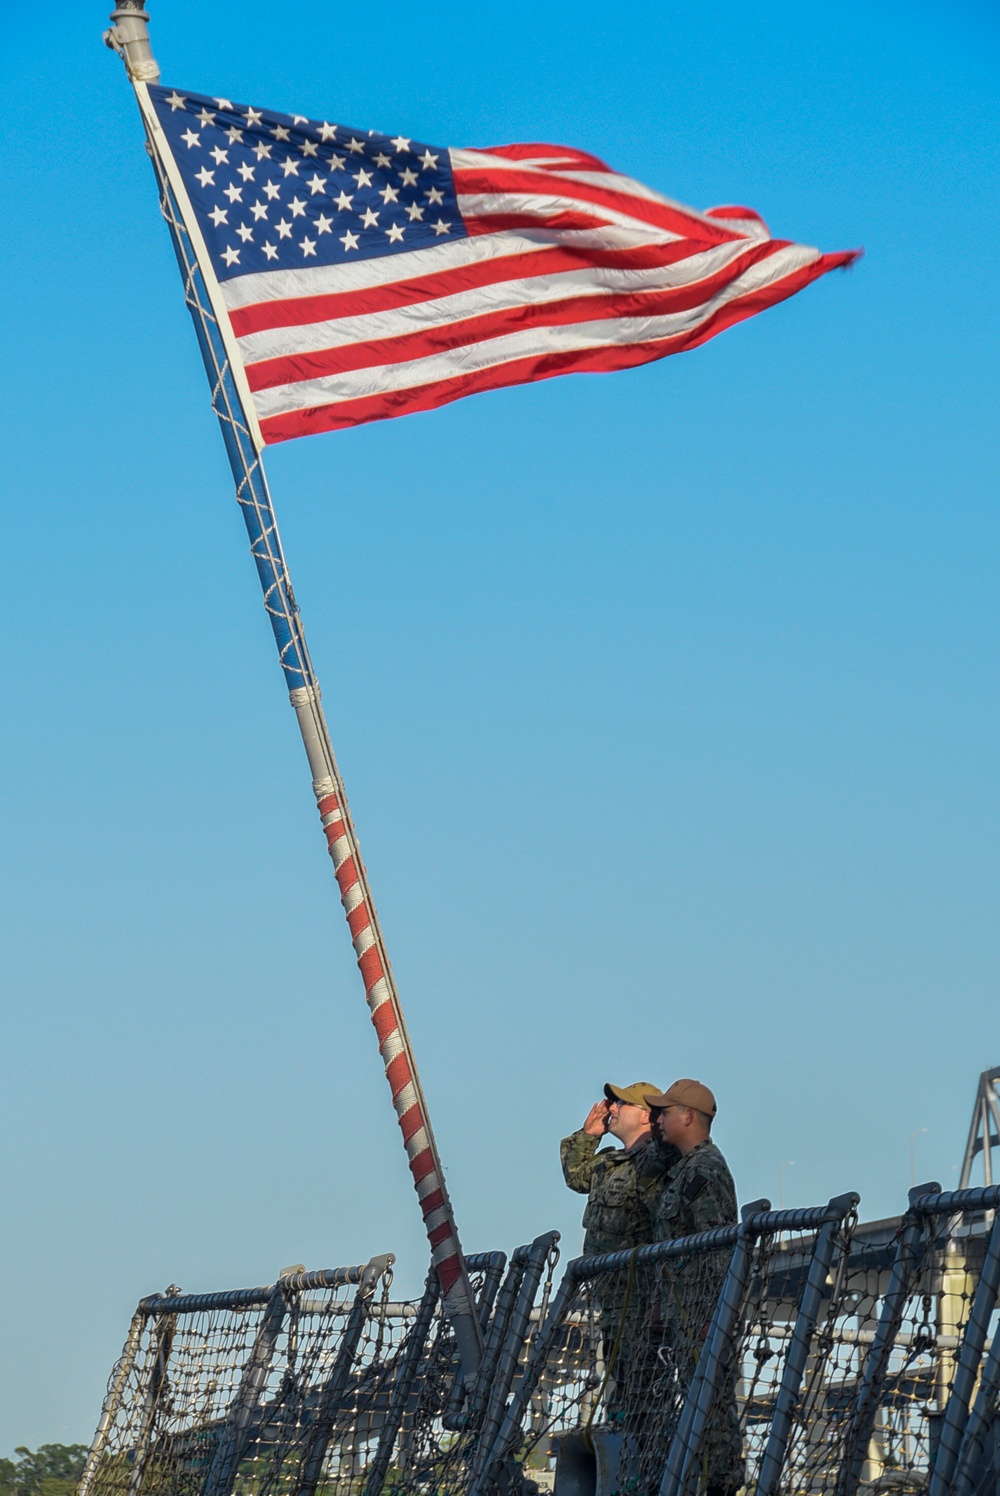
[{"x": 130, "y": 38}]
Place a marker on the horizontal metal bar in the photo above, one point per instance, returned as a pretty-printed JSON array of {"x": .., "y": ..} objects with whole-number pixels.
[
  {"x": 246, "y": 1298},
  {"x": 952, "y": 1201}
]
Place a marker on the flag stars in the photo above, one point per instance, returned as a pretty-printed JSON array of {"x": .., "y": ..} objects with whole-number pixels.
[
  {"x": 245, "y": 232},
  {"x": 272, "y": 190},
  {"x": 308, "y": 247},
  {"x": 434, "y": 196},
  {"x": 400, "y": 142},
  {"x": 206, "y": 117},
  {"x": 191, "y": 138},
  {"x": 327, "y": 132},
  {"x": 344, "y": 201},
  {"x": 441, "y": 227},
  {"x": 309, "y": 148},
  {"x": 337, "y": 162},
  {"x": 262, "y": 150},
  {"x": 259, "y": 210},
  {"x": 219, "y": 216},
  {"x": 254, "y": 117},
  {"x": 383, "y": 161},
  {"x": 246, "y": 171},
  {"x": 270, "y": 251},
  {"x": 395, "y": 232},
  {"x": 175, "y": 100},
  {"x": 429, "y": 161},
  {"x": 281, "y": 133},
  {"x": 408, "y": 177},
  {"x": 316, "y": 183},
  {"x": 233, "y": 135},
  {"x": 324, "y": 225},
  {"x": 231, "y": 256},
  {"x": 219, "y": 156},
  {"x": 205, "y": 177},
  {"x": 356, "y": 146},
  {"x": 284, "y": 229},
  {"x": 349, "y": 240},
  {"x": 297, "y": 207},
  {"x": 290, "y": 166},
  {"x": 363, "y": 178},
  {"x": 370, "y": 219},
  {"x": 415, "y": 211},
  {"x": 224, "y": 104},
  {"x": 389, "y": 194},
  {"x": 234, "y": 193}
]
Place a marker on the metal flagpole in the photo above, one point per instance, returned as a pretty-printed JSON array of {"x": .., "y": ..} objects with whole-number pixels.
[{"x": 129, "y": 37}]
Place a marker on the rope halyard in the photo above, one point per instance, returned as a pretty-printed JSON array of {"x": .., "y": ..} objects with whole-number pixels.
[{"x": 254, "y": 498}]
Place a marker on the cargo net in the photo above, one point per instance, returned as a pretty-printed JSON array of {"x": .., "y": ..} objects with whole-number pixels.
[
  {"x": 280, "y": 1390},
  {"x": 446, "y": 1430},
  {"x": 623, "y": 1359}
]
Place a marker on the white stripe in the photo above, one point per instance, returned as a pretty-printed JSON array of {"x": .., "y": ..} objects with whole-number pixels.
[
  {"x": 417, "y": 1143},
  {"x": 485, "y": 204},
  {"x": 353, "y": 897},
  {"x": 405, "y": 1098},
  {"x": 430, "y": 1182},
  {"x": 392, "y": 1047},
  {"x": 359, "y": 275},
  {"x": 340, "y": 851},
  {"x": 363, "y": 941},
  {"x": 378, "y": 995},
  {"x": 533, "y": 342},
  {"x": 437, "y": 1218},
  {"x": 533, "y": 290}
]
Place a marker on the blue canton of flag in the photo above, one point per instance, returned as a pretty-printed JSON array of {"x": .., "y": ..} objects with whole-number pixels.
[{"x": 278, "y": 191}]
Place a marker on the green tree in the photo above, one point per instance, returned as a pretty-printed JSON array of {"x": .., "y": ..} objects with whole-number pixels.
[{"x": 52, "y": 1470}]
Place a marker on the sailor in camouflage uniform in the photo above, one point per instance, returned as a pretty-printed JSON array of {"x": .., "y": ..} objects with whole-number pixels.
[
  {"x": 623, "y": 1187},
  {"x": 699, "y": 1195}
]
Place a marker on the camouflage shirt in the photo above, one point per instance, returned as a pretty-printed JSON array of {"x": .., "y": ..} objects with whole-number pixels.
[
  {"x": 623, "y": 1185},
  {"x": 699, "y": 1195}
]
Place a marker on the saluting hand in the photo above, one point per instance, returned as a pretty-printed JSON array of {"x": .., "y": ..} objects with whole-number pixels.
[{"x": 596, "y": 1124}]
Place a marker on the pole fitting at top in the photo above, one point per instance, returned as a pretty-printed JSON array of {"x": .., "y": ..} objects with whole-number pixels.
[{"x": 129, "y": 37}]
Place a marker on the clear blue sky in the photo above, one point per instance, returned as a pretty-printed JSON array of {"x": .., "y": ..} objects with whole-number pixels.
[{"x": 666, "y": 700}]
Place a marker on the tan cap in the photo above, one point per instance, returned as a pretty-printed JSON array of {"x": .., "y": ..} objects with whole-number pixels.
[
  {"x": 636, "y": 1094},
  {"x": 684, "y": 1093}
]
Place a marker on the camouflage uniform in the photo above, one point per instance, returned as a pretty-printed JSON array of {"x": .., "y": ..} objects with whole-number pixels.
[
  {"x": 699, "y": 1195},
  {"x": 623, "y": 1186}
]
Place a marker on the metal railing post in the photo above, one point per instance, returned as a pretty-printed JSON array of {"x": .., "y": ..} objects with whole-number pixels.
[
  {"x": 957, "y": 1410},
  {"x": 512, "y": 1346},
  {"x": 112, "y": 1401},
  {"x": 403, "y": 1385},
  {"x": 333, "y": 1391},
  {"x": 984, "y": 1411},
  {"x": 907, "y": 1262},
  {"x": 233, "y": 1440},
  {"x": 810, "y": 1305},
  {"x": 685, "y": 1446}
]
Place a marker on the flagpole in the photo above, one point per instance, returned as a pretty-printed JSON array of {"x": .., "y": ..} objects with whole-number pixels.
[{"x": 129, "y": 37}]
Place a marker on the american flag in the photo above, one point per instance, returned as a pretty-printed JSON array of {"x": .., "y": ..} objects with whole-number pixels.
[{"x": 367, "y": 275}]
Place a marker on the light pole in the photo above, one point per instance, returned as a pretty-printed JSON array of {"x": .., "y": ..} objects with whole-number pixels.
[
  {"x": 913, "y": 1162},
  {"x": 788, "y": 1164}
]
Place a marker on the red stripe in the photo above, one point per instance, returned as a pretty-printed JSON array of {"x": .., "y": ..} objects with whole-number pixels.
[
  {"x": 342, "y": 414},
  {"x": 579, "y": 160},
  {"x": 333, "y": 831},
  {"x": 328, "y": 805},
  {"x": 398, "y": 1074},
  {"x": 440, "y": 1233},
  {"x": 602, "y": 306},
  {"x": 411, "y": 1121},
  {"x": 690, "y": 225},
  {"x": 371, "y": 968},
  {"x": 359, "y": 919},
  {"x": 347, "y": 874},
  {"x": 432, "y": 1202},
  {"x": 385, "y": 1021},
  {"x": 449, "y": 1271},
  {"x": 422, "y": 1165},
  {"x": 301, "y": 310},
  {"x": 495, "y": 223}
]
